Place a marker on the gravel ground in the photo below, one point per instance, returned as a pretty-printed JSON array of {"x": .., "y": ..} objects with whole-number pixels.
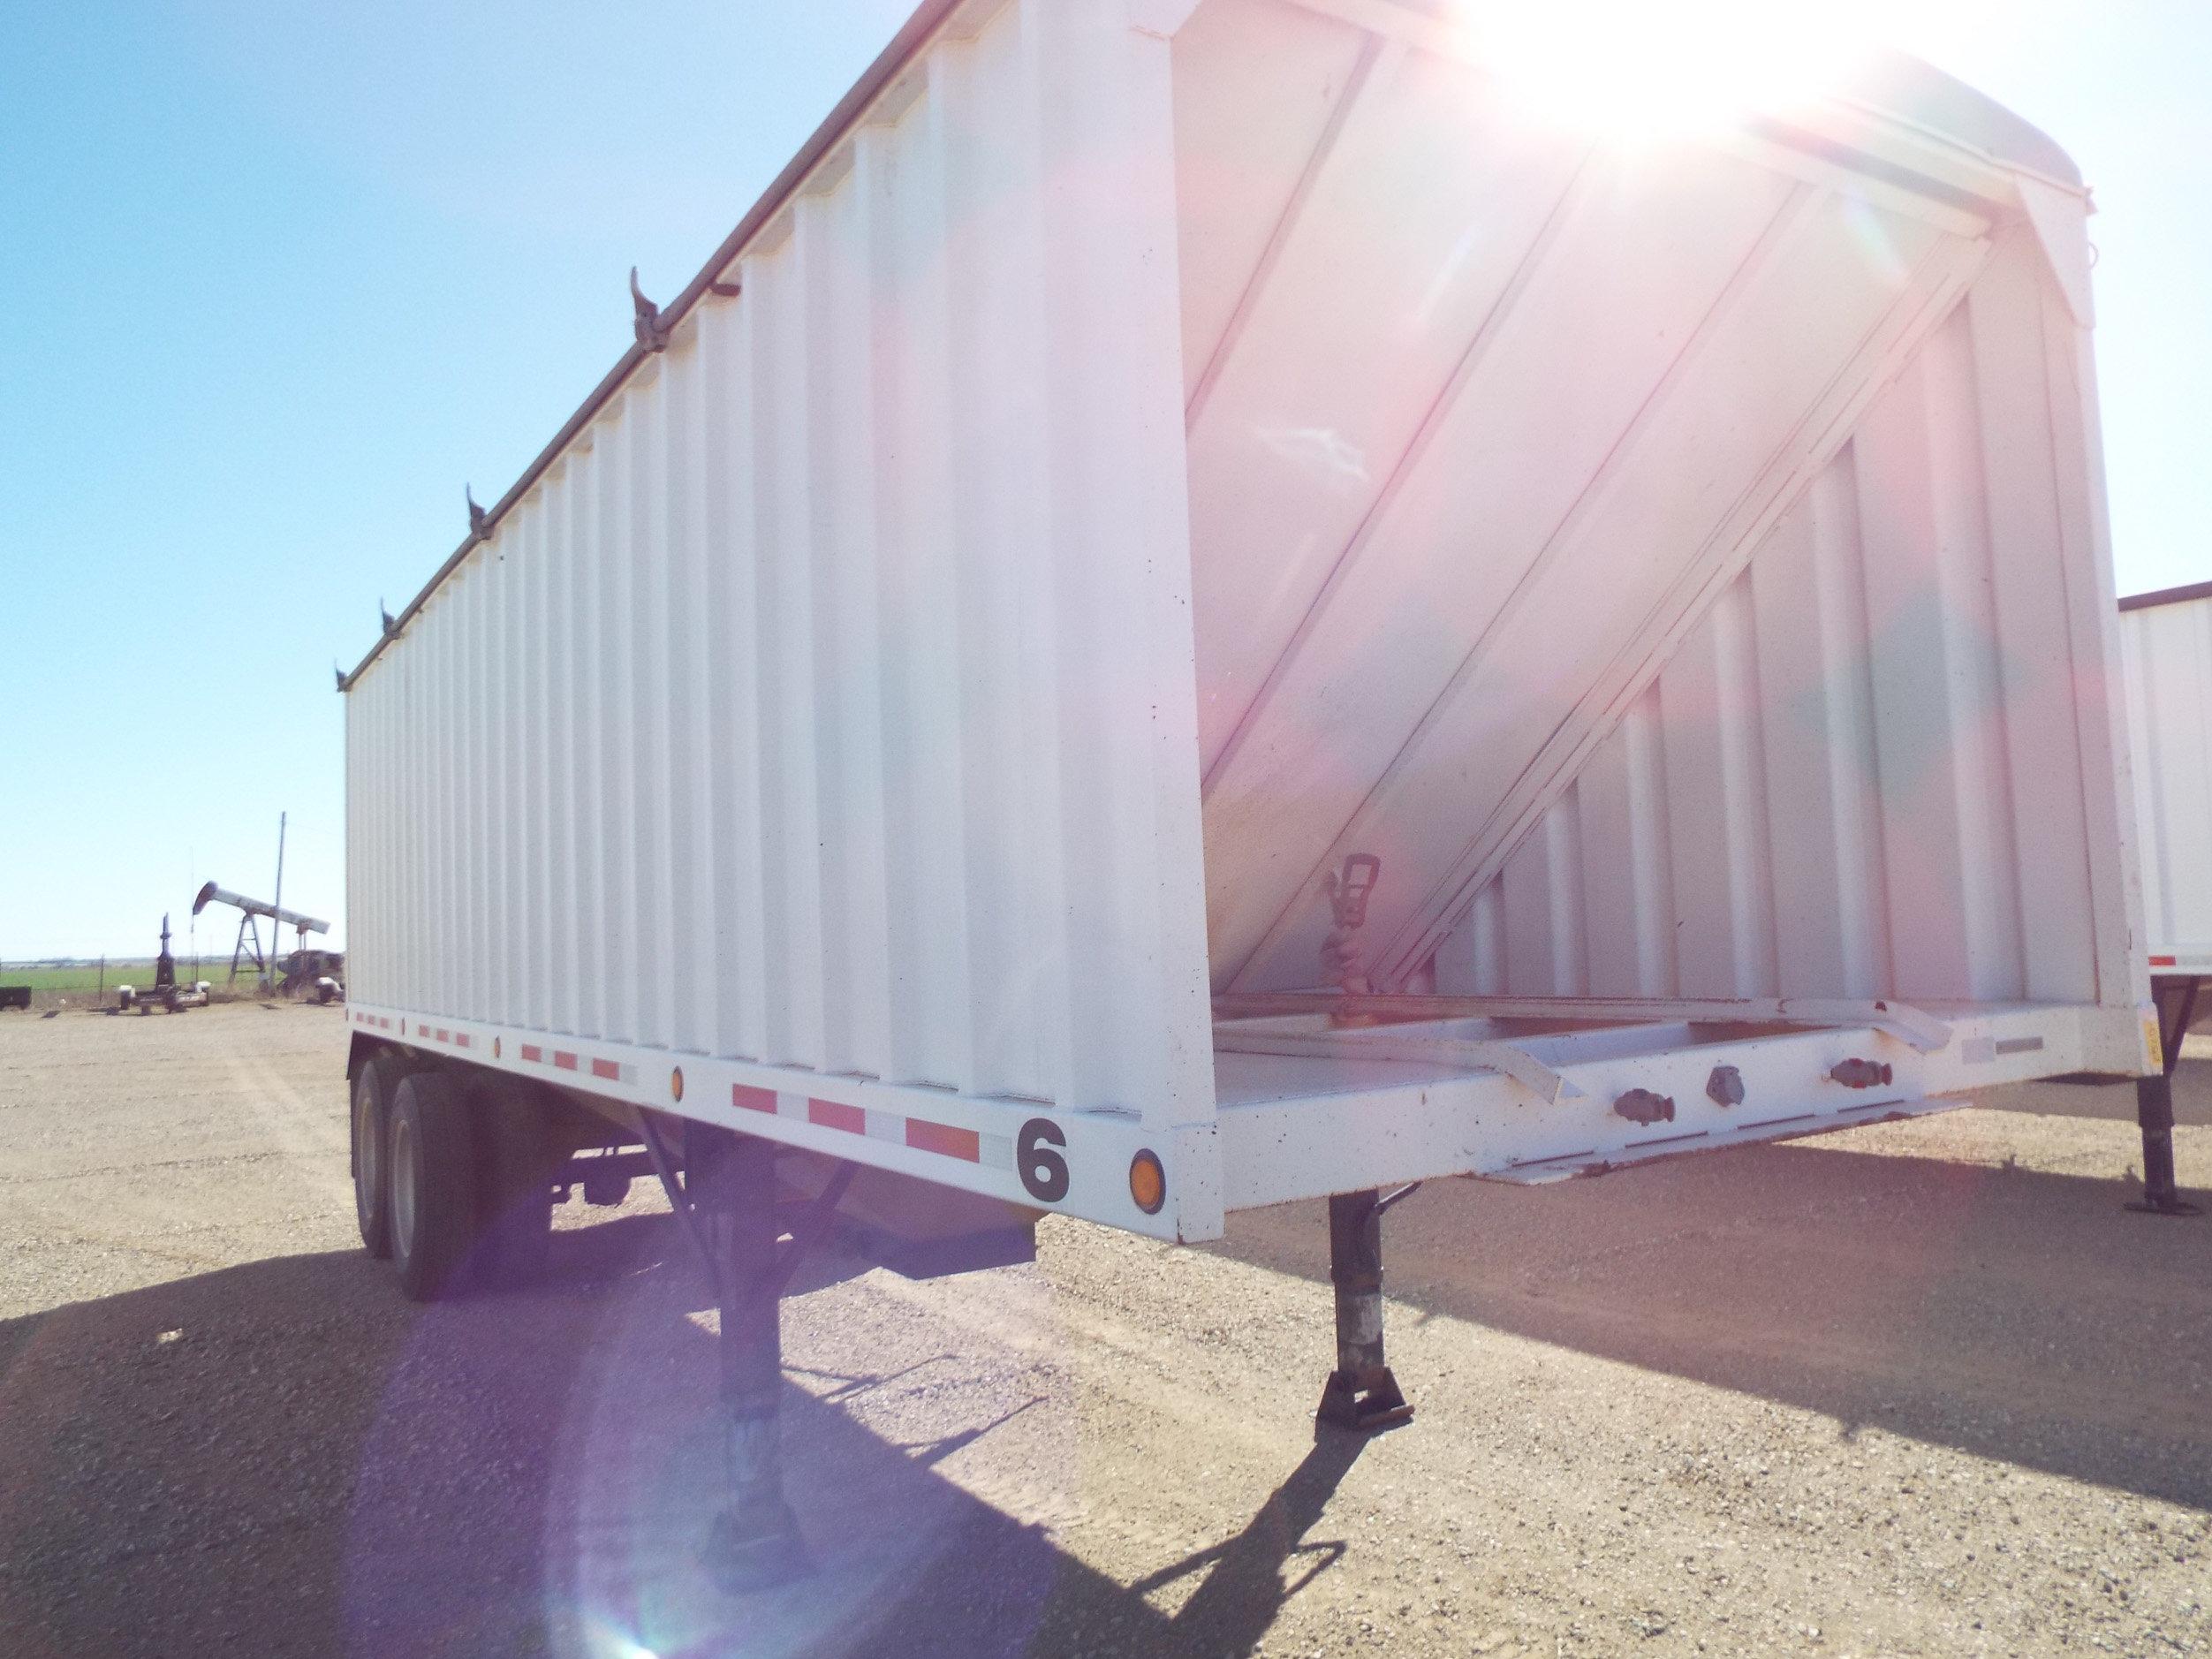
[{"x": 1918, "y": 1389}]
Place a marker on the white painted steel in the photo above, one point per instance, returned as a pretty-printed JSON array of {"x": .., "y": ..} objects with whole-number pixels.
[
  {"x": 2166, "y": 647},
  {"x": 828, "y": 703},
  {"x": 973, "y": 1143},
  {"x": 1155, "y": 450},
  {"x": 1297, "y": 1125},
  {"x": 1863, "y": 771}
]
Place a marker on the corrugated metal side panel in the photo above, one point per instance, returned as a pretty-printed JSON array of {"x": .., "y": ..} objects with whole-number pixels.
[
  {"x": 830, "y": 702},
  {"x": 2167, "y": 650},
  {"x": 1862, "y": 773}
]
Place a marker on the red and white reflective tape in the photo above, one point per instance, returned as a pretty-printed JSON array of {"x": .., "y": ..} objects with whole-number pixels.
[
  {"x": 919, "y": 1134},
  {"x": 582, "y": 1064},
  {"x": 990, "y": 1152},
  {"x": 420, "y": 1030}
]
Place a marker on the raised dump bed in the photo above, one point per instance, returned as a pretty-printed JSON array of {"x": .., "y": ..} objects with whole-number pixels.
[{"x": 1212, "y": 603}]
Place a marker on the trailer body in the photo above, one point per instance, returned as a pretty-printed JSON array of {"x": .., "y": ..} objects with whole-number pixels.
[
  {"x": 1141, "y": 456},
  {"x": 2166, "y": 653}
]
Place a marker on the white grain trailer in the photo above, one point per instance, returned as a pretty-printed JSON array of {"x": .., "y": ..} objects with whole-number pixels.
[
  {"x": 2166, "y": 663},
  {"x": 1208, "y": 604}
]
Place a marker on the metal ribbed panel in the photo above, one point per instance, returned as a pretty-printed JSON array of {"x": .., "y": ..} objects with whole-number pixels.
[
  {"x": 2168, "y": 652},
  {"x": 1465, "y": 474},
  {"x": 1144, "y": 452},
  {"x": 1860, "y": 773},
  {"x": 828, "y": 703}
]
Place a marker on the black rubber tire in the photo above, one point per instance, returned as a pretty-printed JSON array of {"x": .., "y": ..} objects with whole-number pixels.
[
  {"x": 432, "y": 1158},
  {"x": 369, "y": 1133},
  {"x": 518, "y": 1157}
]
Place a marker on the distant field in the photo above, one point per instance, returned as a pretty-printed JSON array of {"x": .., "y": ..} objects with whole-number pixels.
[{"x": 64, "y": 980}]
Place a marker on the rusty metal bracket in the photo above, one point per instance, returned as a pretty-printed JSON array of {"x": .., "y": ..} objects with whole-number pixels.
[
  {"x": 652, "y": 332},
  {"x": 1341, "y": 955}
]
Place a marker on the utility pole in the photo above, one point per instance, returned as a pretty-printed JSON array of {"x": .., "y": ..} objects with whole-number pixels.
[{"x": 277, "y": 928}]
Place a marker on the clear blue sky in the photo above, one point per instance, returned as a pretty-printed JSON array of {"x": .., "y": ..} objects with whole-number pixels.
[{"x": 275, "y": 280}]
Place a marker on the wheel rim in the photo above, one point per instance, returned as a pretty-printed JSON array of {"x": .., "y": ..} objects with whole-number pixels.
[
  {"x": 367, "y": 1153},
  {"x": 403, "y": 1186}
]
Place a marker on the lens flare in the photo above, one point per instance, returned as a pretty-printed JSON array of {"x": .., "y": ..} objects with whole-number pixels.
[{"x": 1639, "y": 68}]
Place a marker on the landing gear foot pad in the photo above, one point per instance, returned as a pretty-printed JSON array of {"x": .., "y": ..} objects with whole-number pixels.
[
  {"x": 1363, "y": 1402},
  {"x": 756, "y": 1552}
]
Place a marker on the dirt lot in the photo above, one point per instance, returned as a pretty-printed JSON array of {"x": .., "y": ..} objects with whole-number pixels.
[{"x": 1923, "y": 1388}]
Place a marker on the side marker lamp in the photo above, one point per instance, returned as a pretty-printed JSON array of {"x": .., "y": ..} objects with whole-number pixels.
[{"x": 1148, "y": 1182}]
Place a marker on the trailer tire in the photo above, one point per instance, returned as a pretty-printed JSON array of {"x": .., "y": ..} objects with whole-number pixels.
[
  {"x": 432, "y": 1158},
  {"x": 518, "y": 1158},
  {"x": 370, "y": 1136}
]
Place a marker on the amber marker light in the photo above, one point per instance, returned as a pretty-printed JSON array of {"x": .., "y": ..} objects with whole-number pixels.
[
  {"x": 1148, "y": 1182},
  {"x": 675, "y": 1084}
]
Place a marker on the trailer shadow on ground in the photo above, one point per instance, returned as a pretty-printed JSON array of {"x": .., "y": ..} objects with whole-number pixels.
[
  {"x": 2017, "y": 1316},
  {"x": 285, "y": 1457}
]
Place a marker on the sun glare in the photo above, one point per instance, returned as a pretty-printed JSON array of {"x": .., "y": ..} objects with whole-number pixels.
[{"x": 1646, "y": 68}]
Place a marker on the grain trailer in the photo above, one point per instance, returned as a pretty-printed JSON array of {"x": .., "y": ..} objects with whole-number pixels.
[
  {"x": 1208, "y": 604},
  {"x": 2166, "y": 662}
]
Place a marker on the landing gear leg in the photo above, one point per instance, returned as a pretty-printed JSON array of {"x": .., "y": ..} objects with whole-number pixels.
[
  {"x": 1362, "y": 1395},
  {"x": 756, "y": 1542},
  {"x": 2176, "y": 1001}
]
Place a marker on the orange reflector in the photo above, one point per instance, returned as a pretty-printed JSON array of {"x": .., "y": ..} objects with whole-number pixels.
[
  {"x": 495, "y": 1048},
  {"x": 1148, "y": 1182},
  {"x": 676, "y": 1083}
]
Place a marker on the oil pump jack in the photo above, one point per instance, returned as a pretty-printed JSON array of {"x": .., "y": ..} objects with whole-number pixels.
[{"x": 304, "y": 968}]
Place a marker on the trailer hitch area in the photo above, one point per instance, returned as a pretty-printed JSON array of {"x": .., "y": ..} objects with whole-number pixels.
[
  {"x": 1857, "y": 1073},
  {"x": 1725, "y": 1086},
  {"x": 1642, "y": 1106}
]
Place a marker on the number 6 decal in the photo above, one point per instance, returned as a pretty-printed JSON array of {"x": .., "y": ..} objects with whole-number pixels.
[{"x": 1044, "y": 1172}]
